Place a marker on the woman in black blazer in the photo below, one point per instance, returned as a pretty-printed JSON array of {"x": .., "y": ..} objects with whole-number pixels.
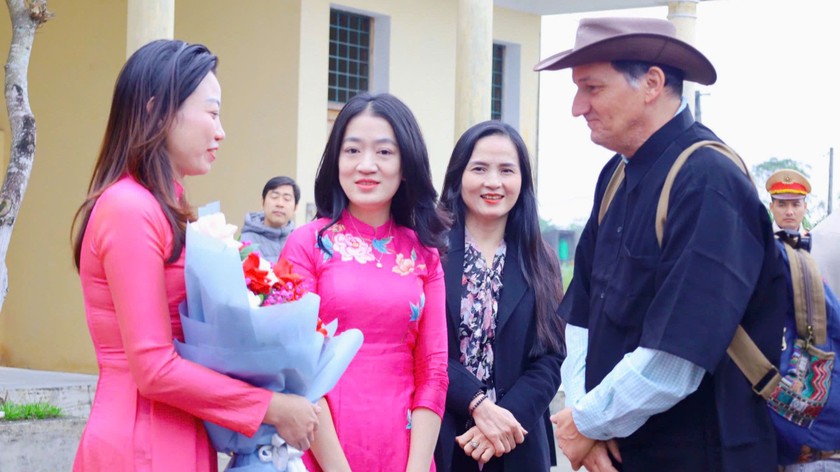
[{"x": 502, "y": 289}]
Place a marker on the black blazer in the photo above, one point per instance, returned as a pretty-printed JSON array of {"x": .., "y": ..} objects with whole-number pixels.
[{"x": 524, "y": 385}]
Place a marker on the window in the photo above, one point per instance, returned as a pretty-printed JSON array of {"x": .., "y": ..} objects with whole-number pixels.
[
  {"x": 498, "y": 81},
  {"x": 350, "y": 55},
  {"x": 506, "y": 85}
]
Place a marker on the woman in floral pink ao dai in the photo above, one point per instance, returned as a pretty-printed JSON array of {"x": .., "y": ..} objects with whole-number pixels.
[{"x": 373, "y": 258}]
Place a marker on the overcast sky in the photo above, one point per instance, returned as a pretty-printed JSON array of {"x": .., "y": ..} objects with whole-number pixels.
[{"x": 777, "y": 95}]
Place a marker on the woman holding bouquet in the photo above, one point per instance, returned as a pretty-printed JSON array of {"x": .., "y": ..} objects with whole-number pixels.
[
  {"x": 503, "y": 286},
  {"x": 129, "y": 250},
  {"x": 372, "y": 256}
]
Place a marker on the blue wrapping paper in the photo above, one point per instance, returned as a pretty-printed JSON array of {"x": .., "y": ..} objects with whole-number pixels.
[{"x": 275, "y": 347}]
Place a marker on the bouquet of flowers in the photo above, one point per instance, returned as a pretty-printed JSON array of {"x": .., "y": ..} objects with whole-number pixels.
[{"x": 259, "y": 324}]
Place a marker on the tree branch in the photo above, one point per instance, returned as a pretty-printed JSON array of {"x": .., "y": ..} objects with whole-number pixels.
[{"x": 26, "y": 17}]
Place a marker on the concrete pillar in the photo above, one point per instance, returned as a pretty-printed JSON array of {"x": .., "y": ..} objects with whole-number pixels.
[
  {"x": 473, "y": 63},
  {"x": 683, "y": 14},
  {"x": 148, "y": 20}
]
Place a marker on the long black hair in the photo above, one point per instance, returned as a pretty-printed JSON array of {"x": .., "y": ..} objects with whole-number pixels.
[
  {"x": 539, "y": 264},
  {"x": 151, "y": 87},
  {"x": 413, "y": 206}
]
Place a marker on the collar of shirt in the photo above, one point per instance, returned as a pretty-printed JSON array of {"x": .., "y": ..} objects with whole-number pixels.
[
  {"x": 683, "y": 104},
  {"x": 655, "y": 146},
  {"x": 777, "y": 228}
]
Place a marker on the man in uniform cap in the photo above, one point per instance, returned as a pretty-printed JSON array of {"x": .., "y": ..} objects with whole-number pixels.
[
  {"x": 788, "y": 189},
  {"x": 647, "y": 375},
  {"x": 821, "y": 449}
]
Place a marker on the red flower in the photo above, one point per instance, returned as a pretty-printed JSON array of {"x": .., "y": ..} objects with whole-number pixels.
[
  {"x": 283, "y": 271},
  {"x": 256, "y": 278},
  {"x": 286, "y": 287}
]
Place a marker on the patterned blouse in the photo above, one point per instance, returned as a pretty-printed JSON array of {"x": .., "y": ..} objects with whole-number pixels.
[{"x": 479, "y": 307}]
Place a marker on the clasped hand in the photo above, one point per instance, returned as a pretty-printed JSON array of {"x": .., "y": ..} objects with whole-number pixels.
[
  {"x": 581, "y": 450},
  {"x": 496, "y": 432}
]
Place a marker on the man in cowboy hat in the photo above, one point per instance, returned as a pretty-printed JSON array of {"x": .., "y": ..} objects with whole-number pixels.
[
  {"x": 647, "y": 375},
  {"x": 788, "y": 189}
]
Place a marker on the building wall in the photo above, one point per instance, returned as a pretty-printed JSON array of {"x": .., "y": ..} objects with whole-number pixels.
[
  {"x": 257, "y": 48},
  {"x": 421, "y": 73},
  {"x": 523, "y": 29},
  {"x": 273, "y": 70},
  {"x": 75, "y": 59}
]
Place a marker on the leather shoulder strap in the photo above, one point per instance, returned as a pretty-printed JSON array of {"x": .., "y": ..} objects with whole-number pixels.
[
  {"x": 664, "y": 195},
  {"x": 744, "y": 352},
  {"x": 612, "y": 188},
  {"x": 753, "y": 363},
  {"x": 808, "y": 296}
]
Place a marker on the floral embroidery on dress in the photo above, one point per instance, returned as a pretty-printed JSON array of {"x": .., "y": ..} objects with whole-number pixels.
[
  {"x": 381, "y": 245},
  {"x": 408, "y": 419},
  {"x": 353, "y": 247},
  {"x": 417, "y": 310},
  {"x": 406, "y": 265},
  {"x": 481, "y": 286},
  {"x": 325, "y": 245}
]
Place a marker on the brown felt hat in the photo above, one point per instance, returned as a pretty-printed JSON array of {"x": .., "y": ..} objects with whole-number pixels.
[{"x": 632, "y": 39}]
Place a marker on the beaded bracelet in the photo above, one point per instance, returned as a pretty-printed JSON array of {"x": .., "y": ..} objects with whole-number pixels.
[
  {"x": 476, "y": 395},
  {"x": 472, "y": 408}
]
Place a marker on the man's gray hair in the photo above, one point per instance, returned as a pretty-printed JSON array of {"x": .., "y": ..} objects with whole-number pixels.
[{"x": 634, "y": 70}]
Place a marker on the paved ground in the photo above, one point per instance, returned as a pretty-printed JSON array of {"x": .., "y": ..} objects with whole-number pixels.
[
  {"x": 73, "y": 391},
  {"x": 562, "y": 464},
  {"x": 12, "y": 378}
]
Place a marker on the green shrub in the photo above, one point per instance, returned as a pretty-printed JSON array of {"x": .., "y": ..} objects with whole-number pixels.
[
  {"x": 29, "y": 411},
  {"x": 567, "y": 269}
]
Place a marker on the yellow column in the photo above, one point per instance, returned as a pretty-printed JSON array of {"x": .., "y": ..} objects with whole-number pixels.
[
  {"x": 148, "y": 20},
  {"x": 683, "y": 14},
  {"x": 474, "y": 63}
]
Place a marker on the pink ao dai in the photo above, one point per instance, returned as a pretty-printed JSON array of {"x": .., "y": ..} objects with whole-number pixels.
[{"x": 400, "y": 309}]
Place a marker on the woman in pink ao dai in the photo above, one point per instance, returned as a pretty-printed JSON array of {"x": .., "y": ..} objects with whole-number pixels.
[{"x": 373, "y": 258}]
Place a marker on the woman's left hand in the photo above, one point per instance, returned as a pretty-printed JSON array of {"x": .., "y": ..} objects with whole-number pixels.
[
  {"x": 476, "y": 445},
  {"x": 499, "y": 426}
]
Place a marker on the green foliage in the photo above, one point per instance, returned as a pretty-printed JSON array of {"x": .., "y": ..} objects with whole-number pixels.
[
  {"x": 545, "y": 224},
  {"x": 30, "y": 411},
  {"x": 566, "y": 270}
]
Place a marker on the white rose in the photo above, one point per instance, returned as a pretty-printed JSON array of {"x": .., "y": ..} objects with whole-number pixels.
[
  {"x": 215, "y": 226},
  {"x": 253, "y": 300},
  {"x": 266, "y": 266}
]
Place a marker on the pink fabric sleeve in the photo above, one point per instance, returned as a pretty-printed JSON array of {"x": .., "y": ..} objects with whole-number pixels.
[
  {"x": 300, "y": 250},
  {"x": 134, "y": 241},
  {"x": 430, "y": 353}
]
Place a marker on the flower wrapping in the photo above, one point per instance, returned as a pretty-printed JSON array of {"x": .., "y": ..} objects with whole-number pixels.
[{"x": 277, "y": 347}]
